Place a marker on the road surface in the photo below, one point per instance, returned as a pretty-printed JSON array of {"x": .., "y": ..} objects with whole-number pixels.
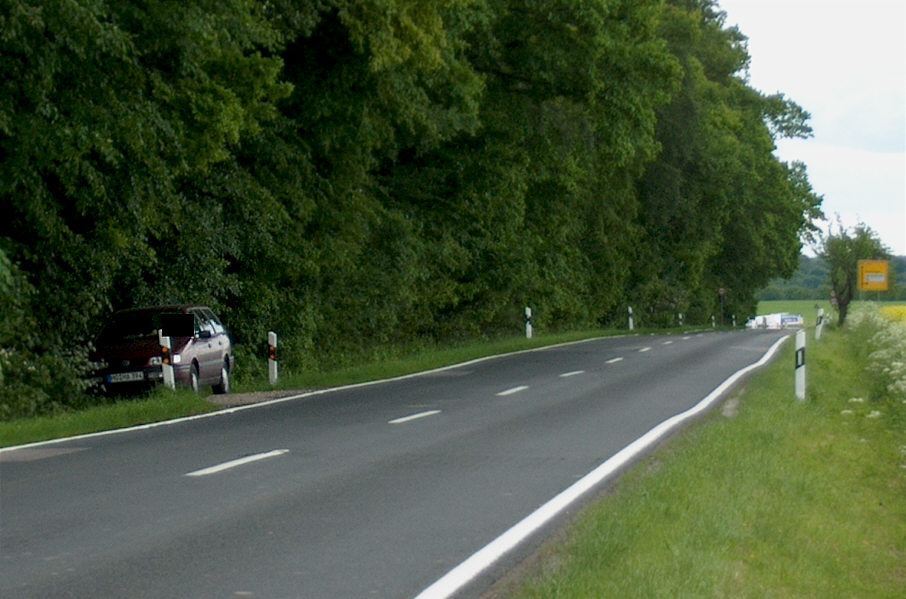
[{"x": 370, "y": 491}]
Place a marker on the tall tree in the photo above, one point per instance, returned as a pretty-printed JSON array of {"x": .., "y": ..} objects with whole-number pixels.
[
  {"x": 719, "y": 210},
  {"x": 842, "y": 251}
]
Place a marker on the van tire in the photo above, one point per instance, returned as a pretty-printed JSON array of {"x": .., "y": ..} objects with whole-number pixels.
[
  {"x": 224, "y": 385},
  {"x": 193, "y": 378}
]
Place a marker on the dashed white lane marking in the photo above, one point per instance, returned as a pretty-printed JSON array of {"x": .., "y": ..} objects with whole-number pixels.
[
  {"x": 644, "y": 349},
  {"x": 234, "y": 463},
  {"x": 614, "y": 360},
  {"x": 668, "y": 342},
  {"x": 457, "y": 578},
  {"x": 512, "y": 390},
  {"x": 571, "y": 373},
  {"x": 412, "y": 417}
]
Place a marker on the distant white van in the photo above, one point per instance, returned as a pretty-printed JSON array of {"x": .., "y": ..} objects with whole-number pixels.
[{"x": 776, "y": 321}]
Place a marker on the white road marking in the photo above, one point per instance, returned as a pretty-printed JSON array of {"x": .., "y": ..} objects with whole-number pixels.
[
  {"x": 513, "y": 390},
  {"x": 613, "y": 360},
  {"x": 467, "y": 571},
  {"x": 687, "y": 338},
  {"x": 573, "y": 373},
  {"x": 413, "y": 417},
  {"x": 644, "y": 349},
  {"x": 239, "y": 462},
  {"x": 668, "y": 342}
]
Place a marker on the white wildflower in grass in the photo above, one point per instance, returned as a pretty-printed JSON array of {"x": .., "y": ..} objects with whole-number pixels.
[
  {"x": 856, "y": 400},
  {"x": 874, "y": 414},
  {"x": 886, "y": 340},
  {"x": 846, "y": 412}
]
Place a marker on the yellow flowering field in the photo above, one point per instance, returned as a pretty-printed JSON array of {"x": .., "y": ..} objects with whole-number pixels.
[{"x": 894, "y": 313}]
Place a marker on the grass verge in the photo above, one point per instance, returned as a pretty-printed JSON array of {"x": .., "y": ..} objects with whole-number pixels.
[
  {"x": 777, "y": 498},
  {"x": 161, "y": 405},
  {"x": 166, "y": 405}
]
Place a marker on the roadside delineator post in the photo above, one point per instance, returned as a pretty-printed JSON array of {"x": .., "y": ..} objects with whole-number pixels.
[
  {"x": 166, "y": 352},
  {"x": 800, "y": 365},
  {"x": 631, "y": 323},
  {"x": 820, "y": 324},
  {"x": 272, "y": 357},
  {"x": 528, "y": 322}
]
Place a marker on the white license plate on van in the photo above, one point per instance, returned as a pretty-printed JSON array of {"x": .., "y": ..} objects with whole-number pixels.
[{"x": 126, "y": 377}]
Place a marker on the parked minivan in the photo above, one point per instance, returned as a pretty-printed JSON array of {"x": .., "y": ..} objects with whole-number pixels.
[{"x": 130, "y": 357}]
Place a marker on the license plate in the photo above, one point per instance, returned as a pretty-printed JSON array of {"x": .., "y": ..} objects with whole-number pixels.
[{"x": 126, "y": 377}]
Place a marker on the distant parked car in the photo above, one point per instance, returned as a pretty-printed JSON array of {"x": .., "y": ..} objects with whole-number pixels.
[{"x": 129, "y": 352}]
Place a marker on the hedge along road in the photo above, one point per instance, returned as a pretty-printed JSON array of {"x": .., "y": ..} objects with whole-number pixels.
[{"x": 427, "y": 485}]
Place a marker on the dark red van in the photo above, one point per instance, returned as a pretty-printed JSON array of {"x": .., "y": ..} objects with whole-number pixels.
[{"x": 129, "y": 351}]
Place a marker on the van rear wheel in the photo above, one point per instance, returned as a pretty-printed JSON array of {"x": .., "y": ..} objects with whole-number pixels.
[
  {"x": 224, "y": 385},
  {"x": 193, "y": 378}
]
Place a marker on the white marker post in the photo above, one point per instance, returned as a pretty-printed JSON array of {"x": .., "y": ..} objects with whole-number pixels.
[
  {"x": 166, "y": 352},
  {"x": 528, "y": 322},
  {"x": 800, "y": 364},
  {"x": 272, "y": 357},
  {"x": 631, "y": 323},
  {"x": 820, "y": 325}
]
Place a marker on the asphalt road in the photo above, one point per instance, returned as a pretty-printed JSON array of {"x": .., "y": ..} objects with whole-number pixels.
[{"x": 371, "y": 491}]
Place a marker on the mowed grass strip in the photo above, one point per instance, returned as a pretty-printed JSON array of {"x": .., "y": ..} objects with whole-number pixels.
[
  {"x": 160, "y": 406},
  {"x": 767, "y": 497}
]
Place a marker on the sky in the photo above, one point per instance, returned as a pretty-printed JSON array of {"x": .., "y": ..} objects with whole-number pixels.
[{"x": 845, "y": 63}]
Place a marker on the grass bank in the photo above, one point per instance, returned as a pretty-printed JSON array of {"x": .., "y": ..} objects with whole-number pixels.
[
  {"x": 159, "y": 406},
  {"x": 771, "y": 498}
]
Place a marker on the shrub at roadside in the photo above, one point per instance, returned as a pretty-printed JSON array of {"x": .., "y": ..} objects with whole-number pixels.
[
  {"x": 883, "y": 335},
  {"x": 34, "y": 379}
]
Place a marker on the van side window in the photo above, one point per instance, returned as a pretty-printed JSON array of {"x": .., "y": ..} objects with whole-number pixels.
[{"x": 216, "y": 325}]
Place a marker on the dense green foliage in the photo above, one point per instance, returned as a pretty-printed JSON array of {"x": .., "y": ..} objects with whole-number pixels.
[
  {"x": 359, "y": 174},
  {"x": 810, "y": 281}
]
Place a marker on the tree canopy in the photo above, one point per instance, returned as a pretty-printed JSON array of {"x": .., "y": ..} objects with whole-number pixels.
[{"x": 362, "y": 173}]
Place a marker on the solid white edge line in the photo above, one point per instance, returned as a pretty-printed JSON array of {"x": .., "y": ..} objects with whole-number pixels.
[
  {"x": 405, "y": 419},
  {"x": 467, "y": 571},
  {"x": 512, "y": 390},
  {"x": 314, "y": 393},
  {"x": 234, "y": 463},
  {"x": 571, "y": 373}
]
